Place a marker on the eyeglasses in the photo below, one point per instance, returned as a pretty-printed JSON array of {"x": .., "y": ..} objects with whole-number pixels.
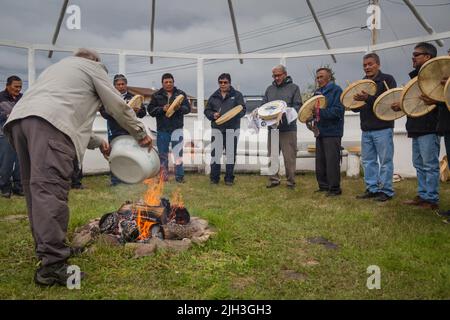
[
  {"x": 416, "y": 54},
  {"x": 277, "y": 75},
  {"x": 224, "y": 82}
]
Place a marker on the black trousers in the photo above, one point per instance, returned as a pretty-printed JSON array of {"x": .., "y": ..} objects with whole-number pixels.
[
  {"x": 230, "y": 155},
  {"x": 328, "y": 163},
  {"x": 77, "y": 175}
]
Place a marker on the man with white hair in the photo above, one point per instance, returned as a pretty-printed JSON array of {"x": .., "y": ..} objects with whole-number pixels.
[
  {"x": 50, "y": 127},
  {"x": 282, "y": 88}
]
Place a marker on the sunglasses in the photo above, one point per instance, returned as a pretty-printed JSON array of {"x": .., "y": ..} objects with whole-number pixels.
[{"x": 416, "y": 54}]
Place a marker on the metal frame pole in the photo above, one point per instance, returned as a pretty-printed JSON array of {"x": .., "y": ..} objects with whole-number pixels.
[
  {"x": 58, "y": 25},
  {"x": 236, "y": 34},
  {"x": 319, "y": 26},
  {"x": 422, "y": 21},
  {"x": 152, "y": 29}
]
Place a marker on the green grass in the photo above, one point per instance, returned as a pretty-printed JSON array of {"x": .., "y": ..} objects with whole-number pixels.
[{"x": 260, "y": 250}]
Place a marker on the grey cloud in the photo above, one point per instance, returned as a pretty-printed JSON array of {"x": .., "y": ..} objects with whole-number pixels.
[{"x": 125, "y": 24}]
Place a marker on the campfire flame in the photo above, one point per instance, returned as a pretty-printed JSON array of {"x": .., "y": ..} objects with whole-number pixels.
[
  {"x": 144, "y": 226},
  {"x": 154, "y": 191},
  {"x": 176, "y": 203},
  {"x": 152, "y": 198},
  {"x": 176, "y": 200}
]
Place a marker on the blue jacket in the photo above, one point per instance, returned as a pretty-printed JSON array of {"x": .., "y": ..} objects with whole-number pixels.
[
  {"x": 114, "y": 129},
  {"x": 156, "y": 106},
  {"x": 331, "y": 122}
]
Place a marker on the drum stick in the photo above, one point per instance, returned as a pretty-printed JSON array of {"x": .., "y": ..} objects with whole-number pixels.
[{"x": 385, "y": 84}]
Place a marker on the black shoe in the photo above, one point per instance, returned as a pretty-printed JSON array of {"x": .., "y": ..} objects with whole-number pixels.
[
  {"x": 229, "y": 183},
  {"x": 213, "y": 182},
  {"x": 333, "y": 193},
  {"x": 382, "y": 197},
  {"x": 18, "y": 193},
  {"x": 76, "y": 251},
  {"x": 291, "y": 186},
  {"x": 367, "y": 195},
  {"x": 180, "y": 180},
  {"x": 78, "y": 186},
  {"x": 321, "y": 190},
  {"x": 273, "y": 184},
  {"x": 443, "y": 214},
  {"x": 5, "y": 194},
  {"x": 53, "y": 274}
]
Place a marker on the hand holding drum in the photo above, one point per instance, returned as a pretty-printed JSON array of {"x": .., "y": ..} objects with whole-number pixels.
[
  {"x": 432, "y": 78},
  {"x": 309, "y": 107},
  {"x": 174, "y": 106},
  {"x": 387, "y": 106},
  {"x": 221, "y": 119},
  {"x": 136, "y": 102},
  {"x": 356, "y": 94}
]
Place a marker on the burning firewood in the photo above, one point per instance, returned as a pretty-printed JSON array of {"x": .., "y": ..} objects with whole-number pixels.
[
  {"x": 151, "y": 223},
  {"x": 140, "y": 222}
]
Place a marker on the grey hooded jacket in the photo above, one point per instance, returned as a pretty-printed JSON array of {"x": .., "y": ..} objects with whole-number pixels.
[{"x": 289, "y": 93}]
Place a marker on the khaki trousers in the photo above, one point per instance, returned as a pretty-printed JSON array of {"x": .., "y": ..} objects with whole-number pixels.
[{"x": 288, "y": 146}]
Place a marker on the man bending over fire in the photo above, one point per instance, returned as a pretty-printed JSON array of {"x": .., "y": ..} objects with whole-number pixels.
[{"x": 50, "y": 127}]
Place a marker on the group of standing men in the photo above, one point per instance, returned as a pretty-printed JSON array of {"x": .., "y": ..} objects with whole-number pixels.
[
  {"x": 51, "y": 127},
  {"x": 377, "y": 146},
  {"x": 166, "y": 126}
]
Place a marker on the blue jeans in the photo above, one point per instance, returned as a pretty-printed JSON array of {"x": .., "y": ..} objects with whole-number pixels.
[
  {"x": 377, "y": 153},
  {"x": 9, "y": 167},
  {"x": 114, "y": 180},
  {"x": 163, "y": 140},
  {"x": 426, "y": 161}
]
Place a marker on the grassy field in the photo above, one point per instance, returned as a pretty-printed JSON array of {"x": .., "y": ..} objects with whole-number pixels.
[{"x": 260, "y": 250}]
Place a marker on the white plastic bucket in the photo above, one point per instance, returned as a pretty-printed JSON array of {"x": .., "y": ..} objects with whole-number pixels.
[{"x": 132, "y": 163}]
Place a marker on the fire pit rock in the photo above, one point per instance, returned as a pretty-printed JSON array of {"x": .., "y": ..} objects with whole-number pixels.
[{"x": 145, "y": 229}]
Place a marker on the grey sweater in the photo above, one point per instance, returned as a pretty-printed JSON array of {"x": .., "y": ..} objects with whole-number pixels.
[{"x": 289, "y": 93}]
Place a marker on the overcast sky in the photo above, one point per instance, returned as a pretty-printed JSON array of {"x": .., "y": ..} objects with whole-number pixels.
[{"x": 204, "y": 26}]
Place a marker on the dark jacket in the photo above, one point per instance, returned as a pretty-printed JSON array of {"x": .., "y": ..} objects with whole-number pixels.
[
  {"x": 331, "y": 118},
  {"x": 369, "y": 120},
  {"x": 222, "y": 105},
  {"x": 114, "y": 129},
  {"x": 423, "y": 125},
  {"x": 289, "y": 93},
  {"x": 7, "y": 103},
  {"x": 443, "y": 126},
  {"x": 156, "y": 106}
]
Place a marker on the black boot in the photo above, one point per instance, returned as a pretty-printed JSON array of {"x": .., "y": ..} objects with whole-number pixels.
[
  {"x": 5, "y": 192},
  {"x": 53, "y": 274}
]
